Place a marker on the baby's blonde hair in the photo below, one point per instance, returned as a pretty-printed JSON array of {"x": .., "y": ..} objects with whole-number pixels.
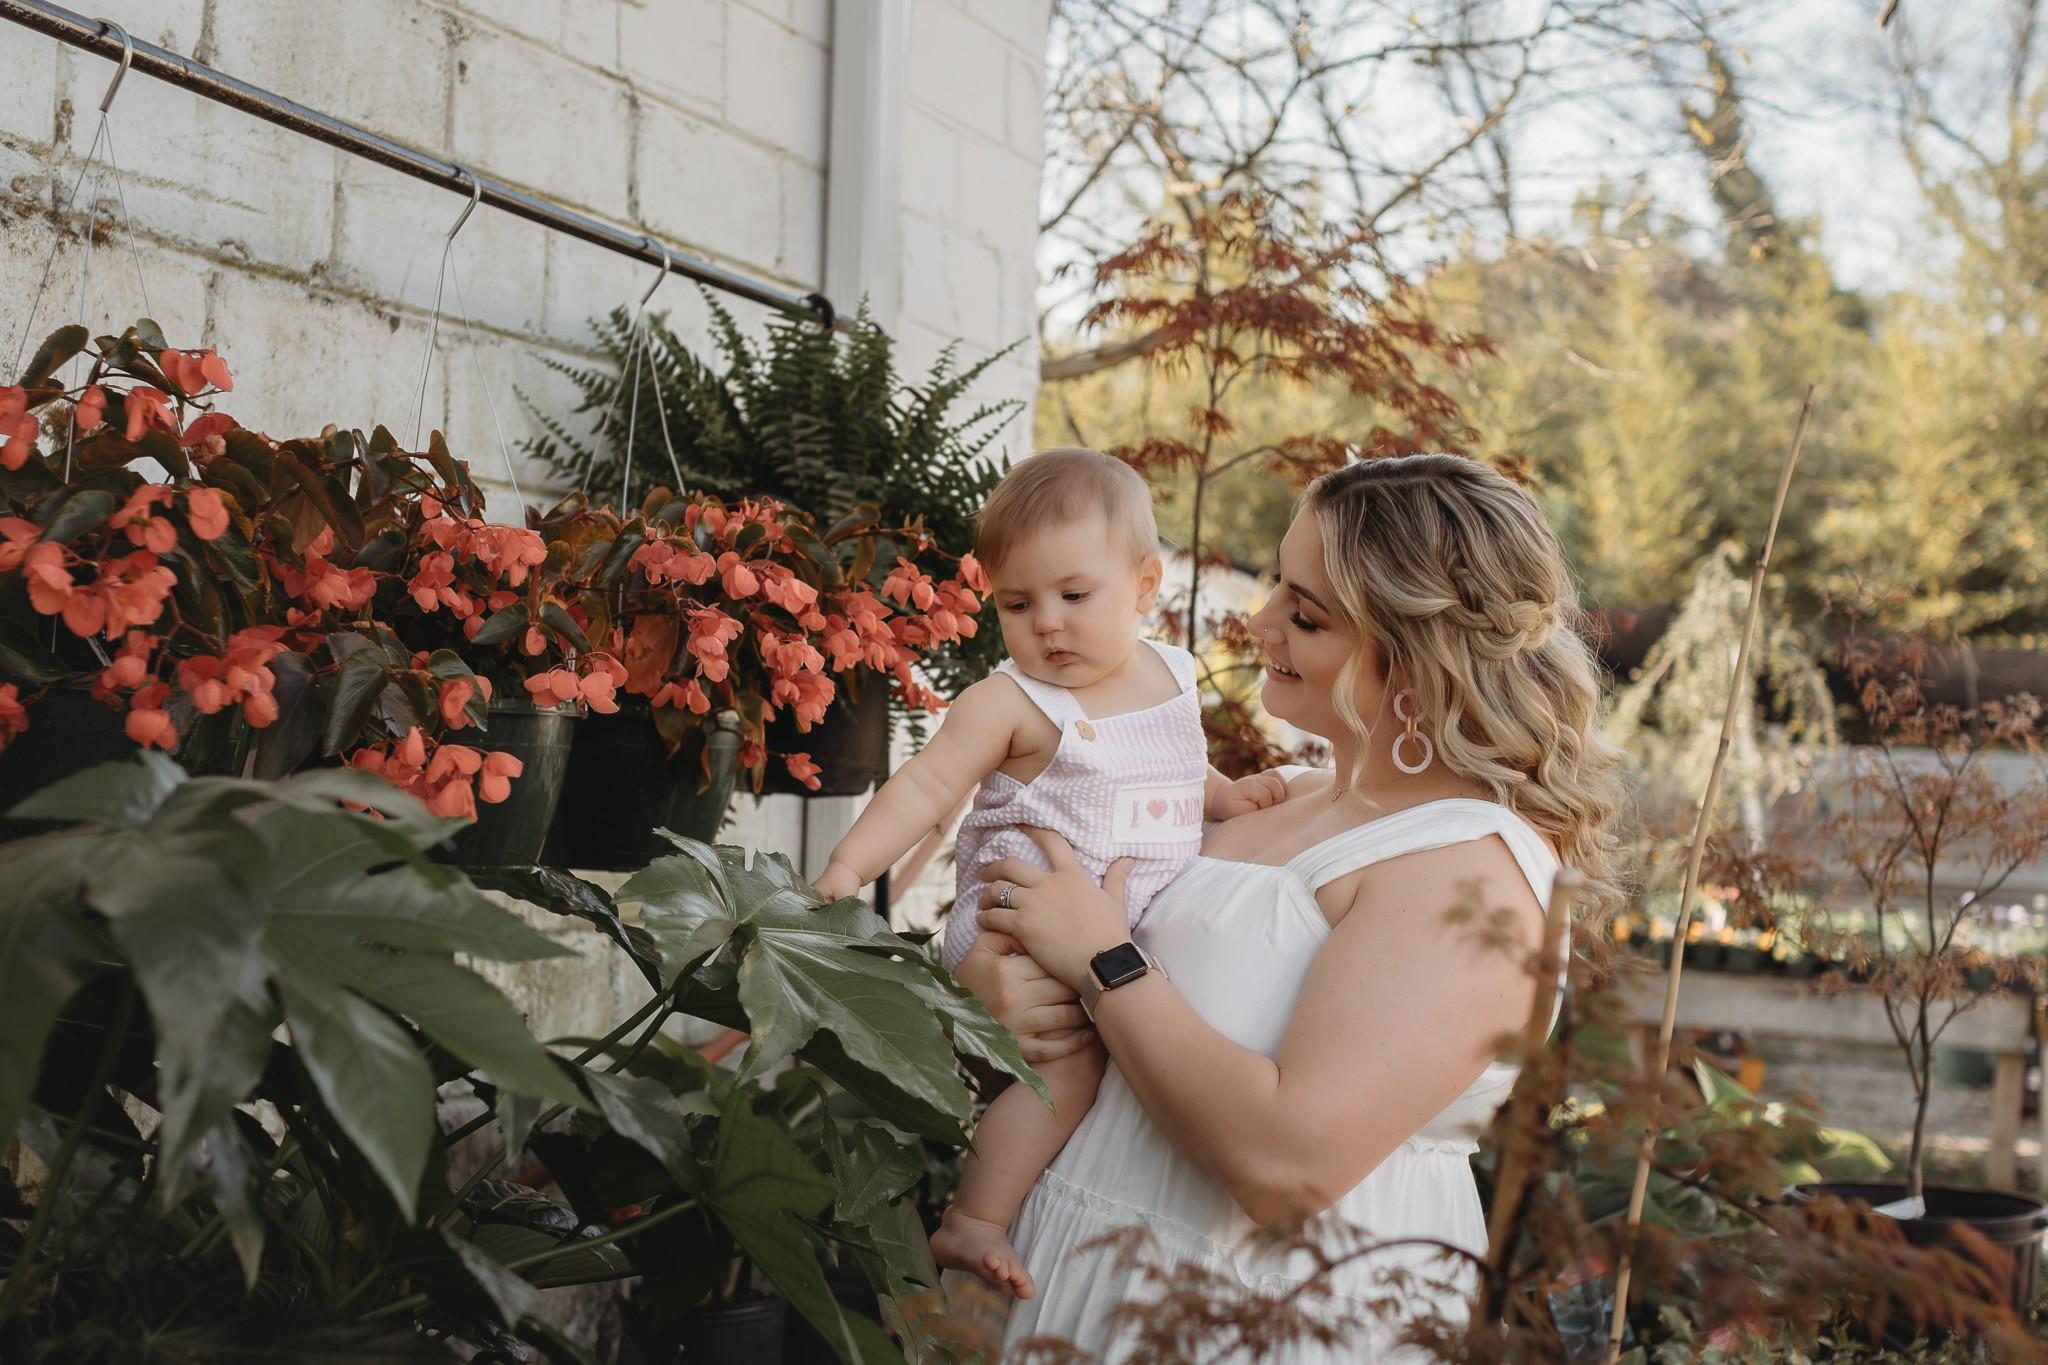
[
  {"x": 1453, "y": 574},
  {"x": 1057, "y": 486}
]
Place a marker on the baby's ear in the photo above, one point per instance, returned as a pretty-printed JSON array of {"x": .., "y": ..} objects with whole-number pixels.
[{"x": 1150, "y": 573}]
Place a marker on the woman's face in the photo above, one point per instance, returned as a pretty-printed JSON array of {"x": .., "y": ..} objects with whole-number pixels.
[{"x": 1308, "y": 641}]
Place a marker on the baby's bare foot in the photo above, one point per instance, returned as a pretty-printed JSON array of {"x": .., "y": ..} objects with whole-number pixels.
[{"x": 974, "y": 1244}]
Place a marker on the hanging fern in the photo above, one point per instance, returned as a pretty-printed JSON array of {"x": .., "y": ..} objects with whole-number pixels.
[{"x": 814, "y": 418}]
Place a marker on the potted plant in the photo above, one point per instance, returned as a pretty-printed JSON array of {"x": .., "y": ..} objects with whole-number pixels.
[
  {"x": 1929, "y": 832},
  {"x": 191, "y": 951},
  {"x": 244, "y": 602},
  {"x": 818, "y": 422},
  {"x": 736, "y": 625}
]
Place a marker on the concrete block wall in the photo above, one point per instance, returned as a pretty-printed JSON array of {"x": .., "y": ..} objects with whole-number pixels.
[{"x": 705, "y": 122}]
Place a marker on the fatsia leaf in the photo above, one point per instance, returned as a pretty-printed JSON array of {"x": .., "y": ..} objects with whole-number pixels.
[
  {"x": 565, "y": 894},
  {"x": 795, "y": 980},
  {"x": 871, "y": 1166},
  {"x": 194, "y": 938},
  {"x": 766, "y": 1191},
  {"x": 681, "y": 906},
  {"x": 329, "y": 875},
  {"x": 514, "y": 1298},
  {"x": 374, "y": 1080},
  {"x": 126, "y": 794},
  {"x": 449, "y": 1003},
  {"x": 42, "y": 959},
  {"x": 230, "y": 1179},
  {"x": 646, "y": 1114}
]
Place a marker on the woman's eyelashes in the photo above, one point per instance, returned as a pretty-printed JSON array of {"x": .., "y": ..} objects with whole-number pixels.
[{"x": 1303, "y": 623}]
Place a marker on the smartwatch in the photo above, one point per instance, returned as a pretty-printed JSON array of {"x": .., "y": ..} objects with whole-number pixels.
[{"x": 1113, "y": 967}]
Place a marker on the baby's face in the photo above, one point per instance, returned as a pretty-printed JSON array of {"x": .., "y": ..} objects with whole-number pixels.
[{"x": 1070, "y": 602}]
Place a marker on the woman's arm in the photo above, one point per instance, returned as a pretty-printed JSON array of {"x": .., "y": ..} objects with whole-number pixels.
[{"x": 1401, "y": 1010}]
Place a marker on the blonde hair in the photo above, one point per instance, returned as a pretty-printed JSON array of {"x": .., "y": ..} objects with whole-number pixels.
[
  {"x": 1056, "y": 486},
  {"x": 1453, "y": 574}
]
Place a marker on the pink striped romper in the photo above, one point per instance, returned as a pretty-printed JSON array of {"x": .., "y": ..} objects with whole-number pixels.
[{"x": 1128, "y": 786}]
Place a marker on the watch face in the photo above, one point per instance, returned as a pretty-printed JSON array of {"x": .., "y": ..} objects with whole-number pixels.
[{"x": 1114, "y": 966}]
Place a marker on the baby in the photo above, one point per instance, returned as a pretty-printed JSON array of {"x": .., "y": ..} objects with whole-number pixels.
[{"x": 1088, "y": 729}]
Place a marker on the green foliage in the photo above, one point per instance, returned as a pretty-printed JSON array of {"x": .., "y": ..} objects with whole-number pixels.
[
  {"x": 205, "y": 950},
  {"x": 820, "y": 421}
]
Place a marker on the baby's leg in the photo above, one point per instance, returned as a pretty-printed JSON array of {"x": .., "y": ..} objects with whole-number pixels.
[{"x": 1017, "y": 1140}]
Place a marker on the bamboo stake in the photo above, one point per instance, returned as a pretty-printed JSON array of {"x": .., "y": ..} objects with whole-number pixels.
[
  {"x": 1527, "y": 1104},
  {"x": 1701, "y": 820}
]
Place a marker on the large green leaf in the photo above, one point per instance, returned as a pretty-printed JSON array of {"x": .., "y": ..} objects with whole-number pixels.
[
  {"x": 871, "y": 1166},
  {"x": 115, "y": 793},
  {"x": 329, "y": 875},
  {"x": 683, "y": 907},
  {"x": 766, "y": 1192},
  {"x": 450, "y": 1003},
  {"x": 375, "y": 1081},
  {"x": 563, "y": 893},
  {"x": 42, "y": 956},
  {"x": 193, "y": 937},
  {"x": 514, "y": 1298},
  {"x": 647, "y": 1114}
]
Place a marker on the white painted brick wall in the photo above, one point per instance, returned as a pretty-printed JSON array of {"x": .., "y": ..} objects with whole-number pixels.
[{"x": 703, "y": 121}]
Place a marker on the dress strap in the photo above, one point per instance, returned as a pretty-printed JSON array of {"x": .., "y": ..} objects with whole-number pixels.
[
  {"x": 1433, "y": 824},
  {"x": 1056, "y": 702}
]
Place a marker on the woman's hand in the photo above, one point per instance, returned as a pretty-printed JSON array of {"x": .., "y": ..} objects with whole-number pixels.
[
  {"x": 1025, "y": 998},
  {"x": 1058, "y": 913}
]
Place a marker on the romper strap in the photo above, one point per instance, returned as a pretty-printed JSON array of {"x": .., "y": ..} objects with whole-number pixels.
[
  {"x": 1056, "y": 702},
  {"x": 1178, "y": 662}
]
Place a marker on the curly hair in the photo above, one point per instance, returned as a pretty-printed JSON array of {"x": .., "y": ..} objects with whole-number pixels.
[{"x": 1452, "y": 573}]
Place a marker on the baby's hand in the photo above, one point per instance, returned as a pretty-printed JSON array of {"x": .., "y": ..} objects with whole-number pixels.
[
  {"x": 1248, "y": 794},
  {"x": 837, "y": 882}
]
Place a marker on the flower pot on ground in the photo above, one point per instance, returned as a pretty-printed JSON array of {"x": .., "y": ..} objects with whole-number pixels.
[
  {"x": 622, "y": 785},
  {"x": 849, "y": 746},
  {"x": 803, "y": 1344},
  {"x": 2009, "y": 1221},
  {"x": 742, "y": 1333},
  {"x": 512, "y": 832}
]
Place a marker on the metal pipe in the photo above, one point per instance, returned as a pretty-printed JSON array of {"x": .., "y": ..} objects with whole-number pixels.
[{"x": 99, "y": 37}]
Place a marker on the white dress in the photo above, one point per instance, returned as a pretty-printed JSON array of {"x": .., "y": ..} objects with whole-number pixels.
[{"x": 1237, "y": 940}]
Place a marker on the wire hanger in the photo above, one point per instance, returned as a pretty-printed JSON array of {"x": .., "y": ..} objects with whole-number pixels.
[
  {"x": 637, "y": 345},
  {"x": 450, "y": 272}
]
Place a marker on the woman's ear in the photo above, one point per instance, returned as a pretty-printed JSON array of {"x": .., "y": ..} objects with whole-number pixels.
[{"x": 1149, "y": 575}]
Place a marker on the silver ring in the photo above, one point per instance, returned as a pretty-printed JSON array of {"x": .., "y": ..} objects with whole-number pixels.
[{"x": 1003, "y": 895}]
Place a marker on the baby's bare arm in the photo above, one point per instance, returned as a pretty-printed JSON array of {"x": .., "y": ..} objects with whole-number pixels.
[{"x": 973, "y": 742}]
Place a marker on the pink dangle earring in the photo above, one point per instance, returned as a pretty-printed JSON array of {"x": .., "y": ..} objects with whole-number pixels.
[{"x": 1404, "y": 711}]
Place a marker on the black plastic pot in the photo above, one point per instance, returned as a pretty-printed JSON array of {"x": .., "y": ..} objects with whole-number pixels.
[
  {"x": 622, "y": 786},
  {"x": 68, "y": 732},
  {"x": 848, "y": 746},
  {"x": 511, "y": 833},
  {"x": 746, "y": 1333},
  {"x": 804, "y": 1344},
  {"x": 2007, "y": 1219}
]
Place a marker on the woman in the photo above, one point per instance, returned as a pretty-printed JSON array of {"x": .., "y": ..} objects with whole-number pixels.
[{"x": 1315, "y": 1036}]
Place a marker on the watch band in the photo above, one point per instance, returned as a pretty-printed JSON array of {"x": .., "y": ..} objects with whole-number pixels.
[{"x": 1092, "y": 986}]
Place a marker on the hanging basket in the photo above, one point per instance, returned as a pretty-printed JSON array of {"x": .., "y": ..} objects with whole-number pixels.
[
  {"x": 510, "y": 833},
  {"x": 69, "y": 731},
  {"x": 848, "y": 746},
  {"x": 622, "y": 786}
]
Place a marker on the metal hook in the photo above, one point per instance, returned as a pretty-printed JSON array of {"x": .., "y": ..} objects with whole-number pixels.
[
  {"x": 109, "y": 27},
  {"x": 476, "y": 195},
  {"x": 667, "y": 261}
]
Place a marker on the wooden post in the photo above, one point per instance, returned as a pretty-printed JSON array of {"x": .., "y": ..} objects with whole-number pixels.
[
  {"x": 1702, "y": 821},
  {"x": 2001, "y": 1164}
]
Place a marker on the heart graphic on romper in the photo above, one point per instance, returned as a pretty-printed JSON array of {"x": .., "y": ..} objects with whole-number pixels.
[{"x": 1156, "y": 809}]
